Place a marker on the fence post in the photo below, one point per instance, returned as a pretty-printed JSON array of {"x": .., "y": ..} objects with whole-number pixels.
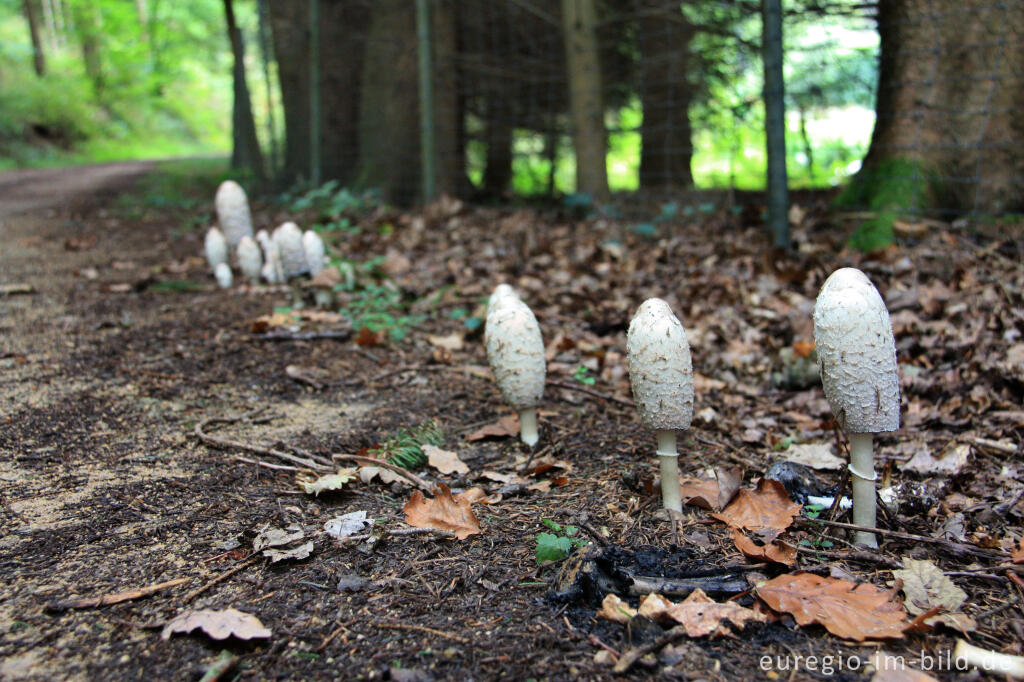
[
  {"x": 314, "y": 92},
  {"x": 428, "y": 147},
  {"x": 775, "y": 121}
]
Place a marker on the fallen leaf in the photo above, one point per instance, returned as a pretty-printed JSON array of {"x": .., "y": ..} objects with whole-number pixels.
[
  {"x": 264, "y": 323},
  {"x": 1018, "y": 554},
  {"x": 450, "y": 342},
  {"x": 768, "y": 507},
  {"x": 503, "y": 428},
  {"x": 395, "y": 263},
  {"x": 217, "y": 624},
  {"x": 815, "y": 456},
  {"x": 803, "y": 349},
  {"x": 445, "y": 461},
  {"x": 347, "y": 524},
  {"x": 335, "y": 481},
  {"x": 478, "y": 494},
  {"x": 712, "y": 494},
  {"x": 926, "y": 587},
  {"x": 778, "y": 554},
  {"x": 507, "y": 479},
  {"x": 893, "y": 668},
  {"x": 846, "y": 609},
  {"x": 616, "y": 610},
  {"x": 444, "y": 512},
  {"x": 949, "y": 463},
  {"x": 699, "y": 614},
  {"x": 296, "y": 553},
  {"x": 277, "y": 537}
]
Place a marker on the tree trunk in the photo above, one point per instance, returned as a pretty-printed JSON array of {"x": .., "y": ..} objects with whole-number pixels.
[
  {"x": 289, "y": 25},
  {"x": 950, "y": 89},
  {"x": 579, "y": 18},
  {"x": 342, "y": 51},
  {"x": 245, "y": 151},
  {"x": 665, "y": 93},
  {"x": 38, "y": 56},
  {"x": 265, "y": 57},
  {"x": 87, "y": 24}
]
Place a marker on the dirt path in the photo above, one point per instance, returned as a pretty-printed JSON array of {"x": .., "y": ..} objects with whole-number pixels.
[{"x": 32, "y": 190}]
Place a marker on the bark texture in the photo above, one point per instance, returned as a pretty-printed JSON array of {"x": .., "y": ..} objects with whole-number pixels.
[
  {"x": 38, "y": 56},
  {"x": 245, "y": 152}
]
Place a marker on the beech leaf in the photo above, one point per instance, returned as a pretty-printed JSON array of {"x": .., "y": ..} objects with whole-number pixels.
[
  {"x": 444, "y": 512},
  {"x": 768, "y": 507},
  {"x": 778, "y": 554},
  {"x": 927, "y": 588},
  {"x": 300, "y": 552},
  {"x": 846, "y": 609},
  {"x": 699, "y": 614},
  {"x": 217, "y": 624},
  {"x": 503, "y": 428},
  {"x": 616, "y": 610},
  {"x": 445, "y": 461},
  {"x": 277, "y": 537},
  {"x": 347, "y": 524}
]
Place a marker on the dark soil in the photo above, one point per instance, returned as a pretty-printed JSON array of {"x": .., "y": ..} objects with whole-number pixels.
[{"x": 107, "y": 366}]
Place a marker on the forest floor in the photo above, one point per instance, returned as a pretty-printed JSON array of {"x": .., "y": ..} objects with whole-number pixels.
[{"x": 115, "y": 346}]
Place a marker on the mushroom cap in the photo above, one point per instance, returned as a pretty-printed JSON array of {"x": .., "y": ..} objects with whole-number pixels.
[
  {"x": 233, "y": 212},
  {"x": 660, "y": 368},
  {"x": 515, "y": 352},
  {"x": 315, "y": 250},
  {"x": 223, "y": 274},
  {"x": 250, "y": 259},
  {"x": 288, "y": 238},
  {"x": 216, "y": 248},
  {"x": 857, "y": 353},
  {"x": 501, "y": 291}
]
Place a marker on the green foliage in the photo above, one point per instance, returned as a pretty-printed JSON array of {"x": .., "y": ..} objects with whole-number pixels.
[
  {"x": 379, "y": 307},
  {"x": 582, "y": 375},
  {"x": 405, "y": 448},
  {"x": 890, "y": 188},
  {"x": 330, "y": 201},
  {"x": 556, "y": 546}
]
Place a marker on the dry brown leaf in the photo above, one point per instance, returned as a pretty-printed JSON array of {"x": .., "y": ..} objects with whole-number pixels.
[
  {"x": 450, "y": 342},
  {"x": 846, "y": 609},
  {"x": 698, "y": 613},
  {"x": 503, "y": 428},
  {"x": 814, "y": 455},
  {"x": 616, "y": 610},
  {"x": 478, "y": 494},
  {"x": 778, "y": 554},
  {"x": 387, "y": 476},
  {"x": 713, "y": 494},
  {"x": 445, "y": 461},
  {"x": 803, "y": 349},
  {"x": 217, "y": 624},
  {"x": 768, "y": 507},
  {"x": 926, "y": 587},
  {"x": 444, "y": 512},
  {"x": 265, "y": 323},
  {"x": 949, "y": 463}
]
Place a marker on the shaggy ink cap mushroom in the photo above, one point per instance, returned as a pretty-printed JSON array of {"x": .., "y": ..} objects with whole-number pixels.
[
  {"x": 223, "y": 274},
  {"x": 857, "y": 356},
  {"x": 233, "y": 212},
  {"x": 250, "y": 259},
  {"x": 216, "y": 248},
  {"x": 661, "y": 376},
  {"x": 288, "y": 238},
  {"x": 315, "y": 250},
  {"x": 515, "y": 352}
]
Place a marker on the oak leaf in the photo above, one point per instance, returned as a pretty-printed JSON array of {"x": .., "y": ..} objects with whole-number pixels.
[
  {"x": 846, "y": 609},
  {"x": 444, "y": 512},
  {"x": 768, "y": 507},
  {"x": 445, "y": 461}
]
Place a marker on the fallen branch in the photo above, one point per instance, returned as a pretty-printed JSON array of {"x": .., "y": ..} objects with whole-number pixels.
[
  {"x": 636, "y": 653},
  {"x": 266, "y": 465},
  {"x": 226, "y": 574},
  {"x": 312, "y": 463},
  {"x": 588, "y": 391},
  {"x": 404, "y": 473},
  {"x": 682, "y": 587},
  {"x": 107, "y": 599},
  {"x": 956, "y": 547}
]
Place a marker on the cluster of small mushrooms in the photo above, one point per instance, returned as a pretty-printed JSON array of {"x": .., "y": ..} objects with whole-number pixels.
[
  {"x": 276, "y": 258},
  {"x": 856, "y": 353}
]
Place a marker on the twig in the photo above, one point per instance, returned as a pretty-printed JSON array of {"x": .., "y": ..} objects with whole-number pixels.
[
  {"x": 226, "y": 574},
  {"x": 1014, "y": 600},
  {"x": 404, "y": 473},
  {"x": 320, "y": 464},
  {"x": 583, "y": 523},
  {"x": 330, "y": 638},
  {"x": 268, "y": 465},
  {"x": 422, "y": 628},
  {"x": 336, "y": 335},
  {"x": 955, "y": 546},
  {"x": 863, "y": 557},
  {"x": 995, "y": 445},
  {"x": 588, "y": 391},
  {"x": 107, "y": 599},
  {"x": 225, "y": 662},
  {"x": 636, "y": 653}
]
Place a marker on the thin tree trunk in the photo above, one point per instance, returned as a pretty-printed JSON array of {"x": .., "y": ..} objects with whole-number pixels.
[
  {"x": 245, "y": 145},
  {"x": 266, "y": 56},
  {"x": 579, "y": 19},
  {"x": 87, "y": 25},
  {"x": 38, "y": 56}
]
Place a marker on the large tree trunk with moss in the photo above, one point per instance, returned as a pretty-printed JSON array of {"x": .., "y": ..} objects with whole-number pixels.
[
  {"x": 579, "y": 19},
  {"x": 245, "y": 152},
  {"x": 664, "y": 37},
  {"x": 950, "y": 91},
  {"x": 38, "y": 56}
]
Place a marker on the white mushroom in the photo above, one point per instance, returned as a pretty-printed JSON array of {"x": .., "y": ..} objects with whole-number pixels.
[
  {"x": 991, "y": 662},
  {"x": 272, "y": 271},
  {"x": 515, "y": 351},
  {"x": 316, "y": 253},
  {"x": 223, "y": 274},
  {"x": 216, "y": 248},
  {"x": 250, "y": 260},
  {"x": 857, "y": 356},
  {"x": 288, "y": 239},
  {"x": 661, "y": 376},
  {"x": 233, "y": 212},
  {"x": 500, "y": 292}
]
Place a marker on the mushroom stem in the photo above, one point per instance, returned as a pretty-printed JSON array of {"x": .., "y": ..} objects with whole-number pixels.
[
  {"x": 528, "y": 426},
  {"x": 989, "y": 661},
  {"x": 862, "y": 470},
  {"x": 669, "y": 459}
]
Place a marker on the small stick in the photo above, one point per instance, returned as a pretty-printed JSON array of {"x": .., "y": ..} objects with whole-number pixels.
[
  {"x": 956, "y": 546},
  {"x": 336, "y": 335},
  {"x": 228, "y": 573},
  {"x": 635, "y": 654},
  {"x": 591, "y": 392},
  {"x": 268, "y": 465},
  {"x": 108, "y": 599},
  {"x": 404, "y": 473},
  {"x": 225, "y": 444},
  {"x": 864, "y": 557},
  {"x": 330, "y": 638},
  {"x": 225, "y": 662},
  {"x": 422, "y": 628}
]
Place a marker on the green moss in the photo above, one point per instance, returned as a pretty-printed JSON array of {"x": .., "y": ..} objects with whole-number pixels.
[{"x": 889, "y": 189}]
